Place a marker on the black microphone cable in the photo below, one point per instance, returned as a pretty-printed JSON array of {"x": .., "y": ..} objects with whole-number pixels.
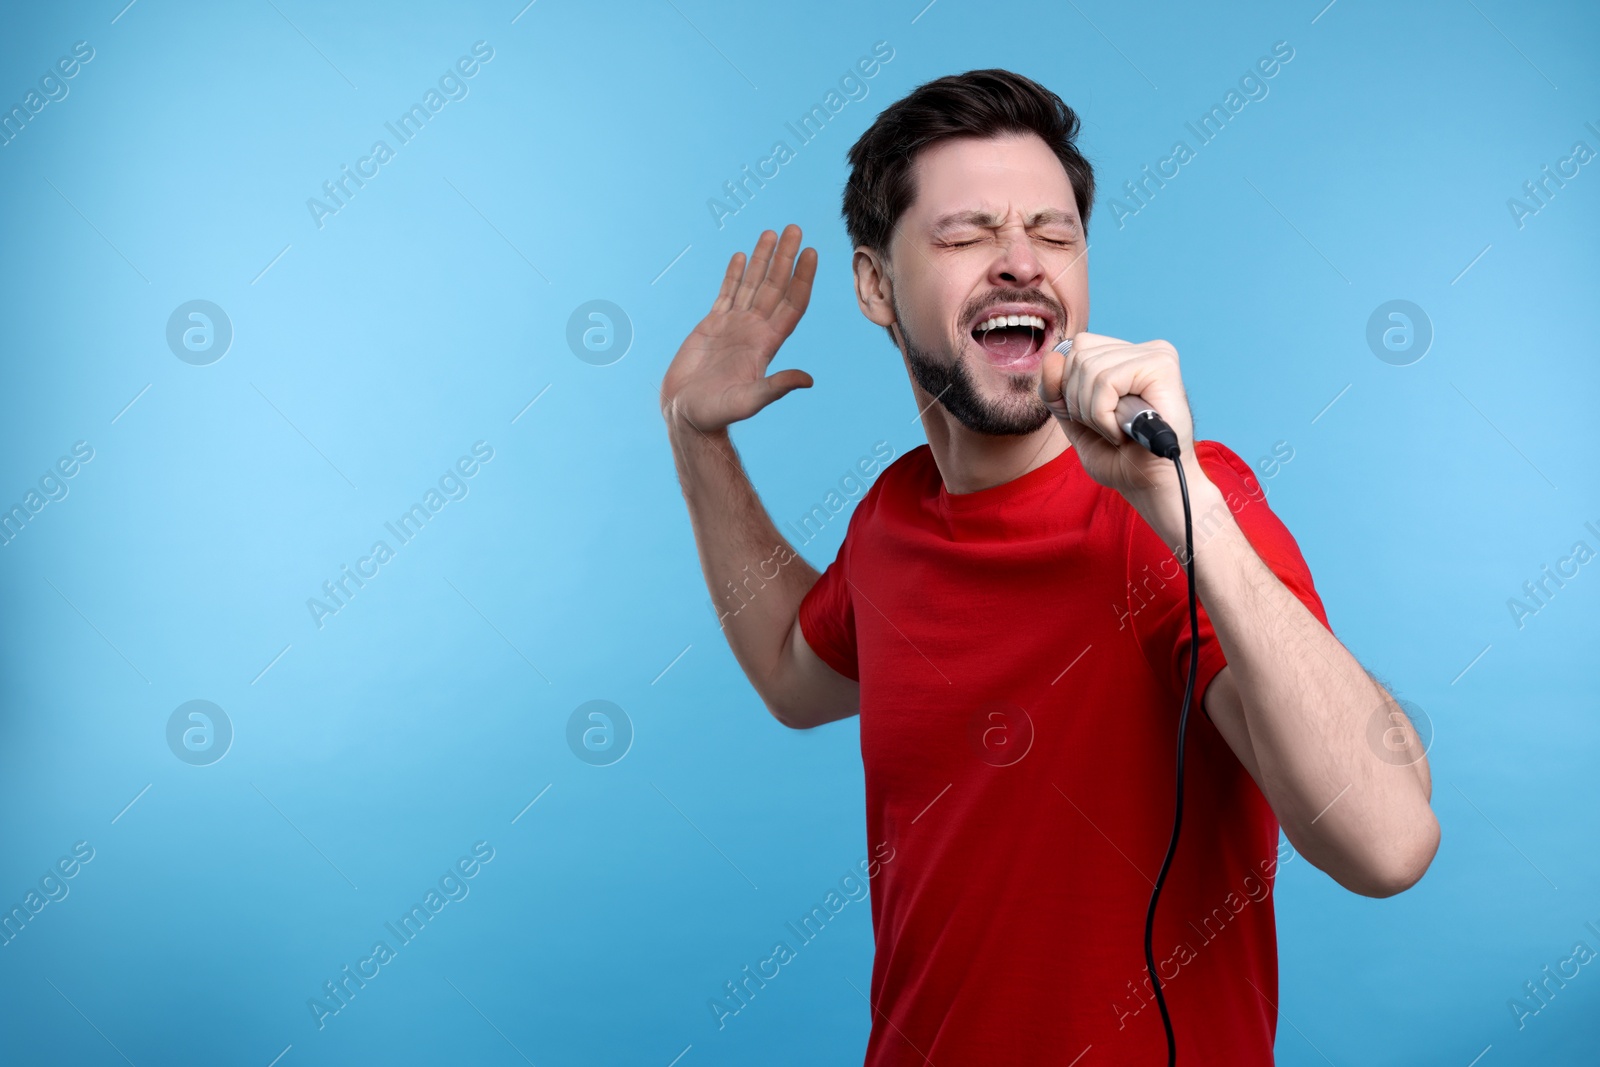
[{"x": 1171, "y": 452}]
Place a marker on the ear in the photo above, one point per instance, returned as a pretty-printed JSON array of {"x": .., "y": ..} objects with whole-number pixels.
[{"x": 874, "y": 287}]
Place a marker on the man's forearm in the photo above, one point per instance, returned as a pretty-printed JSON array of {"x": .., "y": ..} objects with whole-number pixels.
[
  {"x": 756, "y": 578},
  {"x": 1308, "y": 705}
]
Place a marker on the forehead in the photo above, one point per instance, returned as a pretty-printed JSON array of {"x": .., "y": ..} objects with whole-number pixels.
[{"x": 1012, "y": 173}]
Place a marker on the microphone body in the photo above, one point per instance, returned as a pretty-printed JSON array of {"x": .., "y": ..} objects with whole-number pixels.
[{"x": 1140, "y": 421}]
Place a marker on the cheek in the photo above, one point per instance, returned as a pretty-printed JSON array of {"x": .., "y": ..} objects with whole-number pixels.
[
  {"x": 940, "y": 320},
  {"x": 959, "y": 334},
  {"x": 930, "y": 303},
  {"x": 923, "y": 324},
  {"x": 1076, "y": 298}
]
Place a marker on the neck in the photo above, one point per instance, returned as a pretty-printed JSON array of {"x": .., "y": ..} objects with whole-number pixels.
[{"x": 969, "y": 461}]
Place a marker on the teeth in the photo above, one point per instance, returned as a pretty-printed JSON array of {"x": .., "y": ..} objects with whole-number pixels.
[{"x": 997, "y": 321}]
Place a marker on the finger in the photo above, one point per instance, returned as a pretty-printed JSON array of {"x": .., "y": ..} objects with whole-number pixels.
[
  {"x": 1091, "y": 448},
  {"x": 760, "y": 394},
  {"x": 1088, "y": 352},
  {"x": 1080, "y": 437},
  {"x": 1100, "y": 409},
  {"x": 1085, "y": 339},
  {"x": 757, "y": 273},
  {"x": 1159, "y": 380},
  {"x": 730, "y": 281},
  {"x": 1052, "y": 370},
  {"x": 1081, "y": 362},
  {"x": 1132, "y": 372},
  {"x": 1098, "y": 375},
  {"x": 785, "y": 381},
  {"x": 1084, "y": 346},
  {"x": 798, "y": 296},
  {"x": 772, "y": 289}
]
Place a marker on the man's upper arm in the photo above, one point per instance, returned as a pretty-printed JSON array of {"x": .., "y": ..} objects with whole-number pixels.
[
  {"x": 1225, "y": 708},
  {"x": 1163, "y": 627},
  {"x": 818, "y": 676},
  {"x": 807, "y": 691}
]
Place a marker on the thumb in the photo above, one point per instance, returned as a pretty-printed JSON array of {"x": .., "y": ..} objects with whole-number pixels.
[
  {"x": 780, "y": 384},
  {"x": 1051, "y": 371}
]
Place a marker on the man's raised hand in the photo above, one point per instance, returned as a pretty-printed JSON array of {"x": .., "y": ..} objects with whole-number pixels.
[{"x": 719, "y": 375}]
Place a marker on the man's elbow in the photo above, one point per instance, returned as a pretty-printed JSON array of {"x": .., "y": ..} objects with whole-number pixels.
[
  {"x": 787, "y": 714},
  {"x": 788, "y": 718},
  {"x": 1403, "y": 866},
  {"x": 807, "y": 719}
]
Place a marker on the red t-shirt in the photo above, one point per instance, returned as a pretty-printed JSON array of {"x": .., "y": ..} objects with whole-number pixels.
[{"x": 1022, "y": 652}]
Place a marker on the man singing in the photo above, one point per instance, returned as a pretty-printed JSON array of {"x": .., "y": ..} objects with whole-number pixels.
[{"x": 1008, "y": 614}]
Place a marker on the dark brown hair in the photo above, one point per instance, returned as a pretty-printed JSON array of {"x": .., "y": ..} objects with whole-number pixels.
[{"x": 979, "y": 103}]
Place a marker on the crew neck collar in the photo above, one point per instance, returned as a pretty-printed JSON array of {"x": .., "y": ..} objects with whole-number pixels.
[{"x": 1006, "y": 492}]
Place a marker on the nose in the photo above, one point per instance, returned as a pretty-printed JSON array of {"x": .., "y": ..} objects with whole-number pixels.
[{"x": 1015, "y": 263}]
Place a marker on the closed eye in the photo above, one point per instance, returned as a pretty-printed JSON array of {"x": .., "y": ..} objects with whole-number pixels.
[{"x": 963, "y": 244}]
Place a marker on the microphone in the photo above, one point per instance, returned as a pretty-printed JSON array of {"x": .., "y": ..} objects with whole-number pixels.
[{"x": 1140, "y": 421}]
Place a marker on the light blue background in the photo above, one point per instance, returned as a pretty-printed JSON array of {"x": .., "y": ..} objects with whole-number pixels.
[{"x": 427, "y": 314}]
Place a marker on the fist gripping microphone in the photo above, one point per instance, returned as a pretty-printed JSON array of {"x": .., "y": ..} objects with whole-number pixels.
[{"x": 1140, "y": 421}]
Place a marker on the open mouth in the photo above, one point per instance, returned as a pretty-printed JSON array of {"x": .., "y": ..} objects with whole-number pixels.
[{"x": 1010, "y": 338}]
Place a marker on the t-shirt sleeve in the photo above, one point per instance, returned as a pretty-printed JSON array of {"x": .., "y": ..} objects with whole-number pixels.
[
  {"x": 828, "y": 617},
  {"x": 1157, "y": 588},
  {"x": 827, "y": 612}
]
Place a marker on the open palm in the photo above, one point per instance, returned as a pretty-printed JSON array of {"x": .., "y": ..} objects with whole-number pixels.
[{"x": 719, "y": 375}]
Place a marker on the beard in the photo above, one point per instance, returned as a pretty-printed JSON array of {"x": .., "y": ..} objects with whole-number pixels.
[{"x": 1017, "y": 413}]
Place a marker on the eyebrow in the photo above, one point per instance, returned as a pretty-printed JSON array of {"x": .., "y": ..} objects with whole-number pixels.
[{"x": 988, "y": 220}]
